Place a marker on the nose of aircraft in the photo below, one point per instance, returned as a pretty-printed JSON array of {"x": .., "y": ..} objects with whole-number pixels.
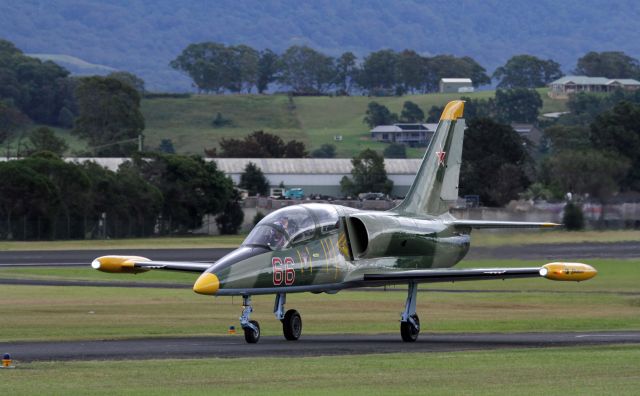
[{"x": 207, "y": 283}]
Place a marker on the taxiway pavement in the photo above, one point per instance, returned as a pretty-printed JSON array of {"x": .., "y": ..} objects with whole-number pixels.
[{"x": 234, "y": 346}]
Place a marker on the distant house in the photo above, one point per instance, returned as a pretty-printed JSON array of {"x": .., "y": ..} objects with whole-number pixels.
[
  {"x": 563, "y": 87},
  {"x": 529, "y": 131},
  {"x": 410, "y": 134},
  {"x": 456, "y": 85}
]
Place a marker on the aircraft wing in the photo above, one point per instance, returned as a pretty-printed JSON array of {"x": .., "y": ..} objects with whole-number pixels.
[
  {"x": 554, "y": 271},
  {"x": 500, "y": 224},
  {"x": 136, "y": 264}
]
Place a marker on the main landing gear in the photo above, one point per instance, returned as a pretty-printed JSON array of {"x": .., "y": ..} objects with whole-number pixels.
[
  {"x": 291, "y": 320},
  {"x": 410, "y": 322}
]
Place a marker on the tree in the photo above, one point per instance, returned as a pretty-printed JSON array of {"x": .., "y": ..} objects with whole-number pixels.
[
  {"x": 527, "y": 71},
  {"x": 346, "y": 70},
  {"x": 411, "y": 112},
  {"x": 25, "y": 193},
  {"x": 267, "y": 69},
  {"x": 572, "y": 218},
  {"x": 562, "y": 138},
  {"x": 378, "y": 73},
  {"x": 517, "y": 105},
  {"x": 443, "y": 66},
  {"x": 231, "y": 218},
  {"x": 395, "y": 150},
  {"x": 11, "y": 119},
  {"x": 44, "y": 139},
  {"x": 131, "y": 79},
  {"x": 368, "y": 175},
  {"x": 254, "y": 181},
  {"x": 109, "y": 115},
  {"x": 325, "y": 151},
  {"x": 478, "y": 108},
  {"x": 610, "y": 64},
  {"x": 411, "y": 71},
  {"x": 495, "y": 162},
  {"x": 378, "y": 114},
  {"x": 166, "y": 146},
  {"x": 617, "y": 132},
  {"x": 592, "y": 172},
  {"x": 306, "y": 71},
  {"x": 190, "y": 186},
  {"x": 260, "y": 144}
]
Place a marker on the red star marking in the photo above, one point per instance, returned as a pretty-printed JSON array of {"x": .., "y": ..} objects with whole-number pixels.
[{"x": 441, "y": 155}]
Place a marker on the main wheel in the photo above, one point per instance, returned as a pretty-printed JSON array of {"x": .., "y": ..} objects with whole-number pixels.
[
  {"x": 250, "y": 335},
  {"x": 292, "y": 325},
  {"x": 408, "y": 331}
]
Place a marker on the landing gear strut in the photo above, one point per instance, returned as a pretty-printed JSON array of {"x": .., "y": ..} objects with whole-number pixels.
[
  {"x": 291, "y": 320},
  {"x": 410, "y": 323},
  {"x": 251, "y": 327}
]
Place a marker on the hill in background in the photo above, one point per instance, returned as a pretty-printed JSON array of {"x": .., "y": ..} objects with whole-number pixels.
[
  {"x": 143, "y": 36},
  {"x": 312, "y": 120}
]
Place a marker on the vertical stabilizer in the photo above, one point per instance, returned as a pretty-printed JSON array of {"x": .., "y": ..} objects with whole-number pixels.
[{"x": 436, "y": 184}]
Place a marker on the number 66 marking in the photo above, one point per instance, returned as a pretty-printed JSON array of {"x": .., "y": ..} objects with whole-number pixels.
[{"x": 283, "y": 272}]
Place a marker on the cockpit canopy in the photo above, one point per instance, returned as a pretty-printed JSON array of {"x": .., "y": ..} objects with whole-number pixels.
[{"x": 293, "y": 224}]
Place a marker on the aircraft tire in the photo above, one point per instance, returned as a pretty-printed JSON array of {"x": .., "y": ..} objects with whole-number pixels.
[
  {"x": 292, "y": 325},
  {"x": 250, "y": 335},
  {"x": 408, "y": 331}
]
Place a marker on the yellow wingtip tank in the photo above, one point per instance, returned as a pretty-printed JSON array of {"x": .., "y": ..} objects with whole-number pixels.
[
  {"x": 453, "y": 110},
  {"x": 576, "y": 272},
  {"x": 119, "y": 264}
]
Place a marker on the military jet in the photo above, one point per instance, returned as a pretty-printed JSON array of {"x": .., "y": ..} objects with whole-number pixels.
[{"x": 324, "y": 248}]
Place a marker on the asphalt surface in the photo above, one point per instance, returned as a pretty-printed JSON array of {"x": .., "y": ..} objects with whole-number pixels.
[
  {"x": 276, "y": 346},
  {"x": 560, "y": 251}
]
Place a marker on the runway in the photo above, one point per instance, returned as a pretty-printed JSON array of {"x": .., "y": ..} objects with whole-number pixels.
[
  {"x": 234, "y": 346},
  {"x": 550, "y": 252}
]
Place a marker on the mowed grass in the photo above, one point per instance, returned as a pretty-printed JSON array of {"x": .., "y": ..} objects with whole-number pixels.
[
  {"x": 558, "y": 371},
  {"x": 46, "y": 312}
]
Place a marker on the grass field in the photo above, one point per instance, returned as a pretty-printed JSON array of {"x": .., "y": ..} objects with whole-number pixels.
[
  {"x": 34, "y": 312},
  {"x": 554, "y": 371}
]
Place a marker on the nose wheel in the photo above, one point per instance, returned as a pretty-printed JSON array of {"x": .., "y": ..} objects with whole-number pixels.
[{"x": 251, "y": 327}]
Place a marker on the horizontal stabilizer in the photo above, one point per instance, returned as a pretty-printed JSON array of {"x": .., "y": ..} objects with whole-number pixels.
[{"x": 499, "y": 224}]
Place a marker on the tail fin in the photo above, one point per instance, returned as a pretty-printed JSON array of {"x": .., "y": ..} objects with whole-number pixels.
[{"x": 436, "y": 183}]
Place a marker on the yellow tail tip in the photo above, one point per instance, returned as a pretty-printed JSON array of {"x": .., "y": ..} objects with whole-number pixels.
[{"x": 453, "y": 110}]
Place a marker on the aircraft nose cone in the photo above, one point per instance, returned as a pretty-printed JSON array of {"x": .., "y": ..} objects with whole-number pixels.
[{"x": 207, "y": 284}]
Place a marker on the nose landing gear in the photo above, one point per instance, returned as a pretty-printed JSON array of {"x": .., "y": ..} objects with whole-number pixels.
[{"x": 251, "y": 327}]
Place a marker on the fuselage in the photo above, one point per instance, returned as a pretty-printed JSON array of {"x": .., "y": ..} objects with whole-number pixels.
[{"x": 325, "y": 248}]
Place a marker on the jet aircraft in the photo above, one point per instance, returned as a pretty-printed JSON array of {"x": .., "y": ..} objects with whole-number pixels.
[{"x": 327, "y": 248}]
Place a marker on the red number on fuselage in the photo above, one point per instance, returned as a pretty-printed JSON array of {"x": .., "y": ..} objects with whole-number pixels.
[
  {"x": 283, "y": 272},
  {"x": 290, "y": 273},
  {"x": 276, "y": 263}
]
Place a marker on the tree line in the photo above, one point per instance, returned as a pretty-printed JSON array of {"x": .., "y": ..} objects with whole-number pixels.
[
  {"x": 44, "y": 197},
  {"x": 218, "y": 68}
]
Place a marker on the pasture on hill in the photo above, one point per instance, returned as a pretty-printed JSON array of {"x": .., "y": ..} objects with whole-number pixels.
[{"x": 314, "y": 120}]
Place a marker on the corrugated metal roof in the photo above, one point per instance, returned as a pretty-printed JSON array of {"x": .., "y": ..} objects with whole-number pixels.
[
  {"x": 404, "y": 128},
  {"x": 308, "y": 166},
  {"x": 456, "y": 80},
  {"x": 584, "y": 80},
  {"x": 311, "y": 165}
]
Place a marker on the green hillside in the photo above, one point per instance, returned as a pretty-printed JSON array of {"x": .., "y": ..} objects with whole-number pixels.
[{"x": 312, "y": 120}]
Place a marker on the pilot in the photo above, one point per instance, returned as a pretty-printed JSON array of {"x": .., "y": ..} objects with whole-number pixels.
[{"x": 278, "y": 238}]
